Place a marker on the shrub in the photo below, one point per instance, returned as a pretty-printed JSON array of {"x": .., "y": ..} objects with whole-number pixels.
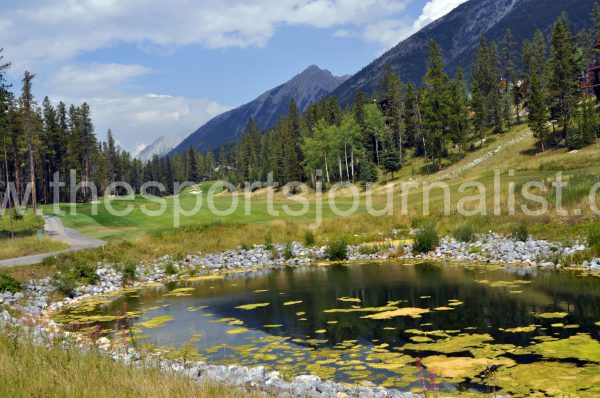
[
  {"x": 368, "y": 249},
  {"x": 288, "y": 251},
  {"x": 170, "y": 269},
  {"x": 74, "y": 274},
  {"x": 129, "y": 272},
  {"x": 464, "y": 233},
  {"x": 309, "y": 238},
  {"x": 9, "y": 284},
  {"x": 269, "y": 241},
  {"x": 593, "y": 237},
  {"x": 475, "y": 250},
  {"x": 521, "y": 232},
  {"x": 337, "y": 250},
  {"x": 426, "y": 238}
]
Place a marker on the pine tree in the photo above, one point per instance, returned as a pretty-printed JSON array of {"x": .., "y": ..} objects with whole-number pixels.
[
  {"x": 509, "y": 73},
  {"x": 390, "y": 159},
  {"x": 6, "y": 100},
  {"x": 535, "y": 70},
  {"x": 192, "y": 168},
  {"x": 459, "y": 119},
  {"x": 392, "y": 87},
  {"x": 436, "y": 107},
  {"x": 587, "y": 126},
  {"x": 411, "y": 121},
  {"x": 27, "y": 104},
  {"x": 564, "y": 74},
  {"x": 111, "y": 157},
  {"x": 538, "y": 110},
  {"x": 486, "y": 97},
  {"x": 249, "y": 151}
]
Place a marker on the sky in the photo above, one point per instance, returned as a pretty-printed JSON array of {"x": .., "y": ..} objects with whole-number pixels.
[{"x": 153, "y": 68}]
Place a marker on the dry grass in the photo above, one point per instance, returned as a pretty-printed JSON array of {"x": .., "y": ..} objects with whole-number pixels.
[
  {"x": 26, "y": 246},
  {"x": 28, "y": 370}
]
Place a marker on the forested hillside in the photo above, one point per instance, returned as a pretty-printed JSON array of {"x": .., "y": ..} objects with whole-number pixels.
[
  {"x": 458, "y": 35},
  {"x": 434, "y": 125}
]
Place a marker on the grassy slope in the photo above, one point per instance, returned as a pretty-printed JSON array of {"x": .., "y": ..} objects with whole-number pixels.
[
  {"x": 27, "y": 370},
  {"x": 521, "y": 157},
  {"x": 147, "y": 238}
]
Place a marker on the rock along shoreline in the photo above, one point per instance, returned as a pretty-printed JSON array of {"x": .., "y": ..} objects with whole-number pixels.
[{"x": 34, "y": 307}]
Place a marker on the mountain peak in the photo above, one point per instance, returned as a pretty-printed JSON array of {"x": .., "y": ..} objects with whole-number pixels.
[{"x": 305, "y": 88}]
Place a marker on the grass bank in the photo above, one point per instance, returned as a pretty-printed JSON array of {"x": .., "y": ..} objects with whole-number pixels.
[
  {"x": 26, "y": 246},
  {"x": 29, "y": 370},
  {"x": 25, "y": 241}
]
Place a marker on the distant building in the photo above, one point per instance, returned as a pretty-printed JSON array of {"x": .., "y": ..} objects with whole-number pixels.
[{"x": 592, "y": 77}]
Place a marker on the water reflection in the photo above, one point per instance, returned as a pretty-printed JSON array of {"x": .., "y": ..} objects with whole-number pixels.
[{"x": 296, "y": 331}]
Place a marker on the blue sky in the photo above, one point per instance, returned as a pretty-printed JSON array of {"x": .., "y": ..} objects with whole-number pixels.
[{"x": 150, "y": 69}]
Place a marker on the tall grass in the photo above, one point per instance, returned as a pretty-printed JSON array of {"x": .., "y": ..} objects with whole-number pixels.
[
  {"x": 28, "y": 370},
  {"x": 26, "y": 225},
  {"x": 26, "y": 246}
]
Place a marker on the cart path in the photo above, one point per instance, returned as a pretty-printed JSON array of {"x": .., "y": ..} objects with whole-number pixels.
[{"x": 55, "y": 229}]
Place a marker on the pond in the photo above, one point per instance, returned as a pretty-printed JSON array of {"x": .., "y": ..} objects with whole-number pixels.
[{"x": 446, "y": 327}]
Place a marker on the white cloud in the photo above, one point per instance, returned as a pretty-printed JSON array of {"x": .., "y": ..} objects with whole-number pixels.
[
  {"x": 389, "y": 32},
  {"x": 96, "y": 79},
  {"x": 46, "y": 35},
  {"x": 54, "y": 30},
  {"x": 342, "y": 33},
  {"x": 433, "y": 10},
  {"x": 136, "y": 120}
]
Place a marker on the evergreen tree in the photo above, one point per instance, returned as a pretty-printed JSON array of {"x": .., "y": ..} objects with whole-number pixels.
[
  {"x": 587, "y": 126},
  {"x": 564, "y": 74},
  {"x": 486, "y": 98},
  {"x": 249, "y": 151},
  {"x": 192, "y": 166},
  {"x": 538, "y": 110},
  {"x": 436, "y": 107},
  {"x": 390, "y": 159},
  {"x": 509, "y": 73},
  {"x": 27, "y": 104},
  {"x": 111, "y": 157},
  {"x": 392, "y": 87},
  {"x": 411, "y": 121},
  {"x": 459, "y": 119}
]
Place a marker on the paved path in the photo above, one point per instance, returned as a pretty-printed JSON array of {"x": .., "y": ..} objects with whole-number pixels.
[{"x": 54, "y": 229}]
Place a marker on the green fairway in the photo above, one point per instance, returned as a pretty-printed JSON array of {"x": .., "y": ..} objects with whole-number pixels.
[{"x": 511, "y": 153}]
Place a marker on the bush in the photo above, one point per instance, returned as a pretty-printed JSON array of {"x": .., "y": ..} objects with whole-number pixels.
[
  {"x": 269, "y": 241},
  {"x": 464, "y": 233},
  {"x": 337, "y": 250},
  {"x": 521, "y": 232},
  {"x": 309, "y": 238},
  {"x": 71, "y": 275},
  {"x": 593, "y": 237},
  {"x": 288, "y": 251},
  {"x": 9, "y": 284},
  {"x": 426, "y": 238},
  {"x": 170, "y": 269},
  {"x": 367, "y": 172},
  {"x": 129, "y": 272}
]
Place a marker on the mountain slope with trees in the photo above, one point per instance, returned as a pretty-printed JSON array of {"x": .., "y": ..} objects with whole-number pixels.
[
  {"x": 458, "y": 34},
  {"x": 424, "y": 128},
  {"x": 305, "y": 88}
]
